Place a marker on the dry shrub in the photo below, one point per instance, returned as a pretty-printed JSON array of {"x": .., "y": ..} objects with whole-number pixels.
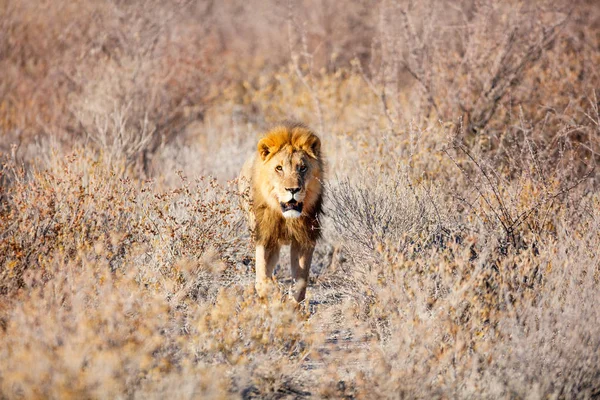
[
  {"x": 387, "y": 210},
  {"x": 482, "y": 58},
  {"x": 266, "y": 344},
  {"x": 80, "y": 203},
  {"x": 95, "y": 333},
  {"x": 469, "y": 317},
  {"x": 83, "y": 335},
  {"x": 72, "y": 65},
  {"x": 554, "y": 347},
  {"x": 73, "y": 206}
]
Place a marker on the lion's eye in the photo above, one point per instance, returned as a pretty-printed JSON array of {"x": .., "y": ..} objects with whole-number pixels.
[
  {"x": 279, "y": 168},
  {"x": 303, "y": 168}
]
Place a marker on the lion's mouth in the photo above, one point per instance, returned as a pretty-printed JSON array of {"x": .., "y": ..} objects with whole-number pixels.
[{"x": 292, "y": 206}]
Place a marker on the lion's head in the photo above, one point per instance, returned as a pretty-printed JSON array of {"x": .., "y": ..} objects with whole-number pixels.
[{"x": 290, "y": 169}]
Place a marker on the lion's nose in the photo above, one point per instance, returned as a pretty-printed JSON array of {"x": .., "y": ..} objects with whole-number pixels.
[{"x": 293, "y": 190}]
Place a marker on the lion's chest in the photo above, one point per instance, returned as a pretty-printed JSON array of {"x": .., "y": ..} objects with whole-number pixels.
[{"x": 272, "y": 228}]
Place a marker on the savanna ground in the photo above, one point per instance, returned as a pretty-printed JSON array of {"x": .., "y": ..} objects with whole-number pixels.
[{"x": 459, "y": 252}]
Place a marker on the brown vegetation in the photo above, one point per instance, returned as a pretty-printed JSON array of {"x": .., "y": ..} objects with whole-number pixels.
[{"x": 461, "y": 228}]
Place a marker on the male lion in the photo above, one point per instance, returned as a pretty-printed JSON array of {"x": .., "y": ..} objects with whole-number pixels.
[{"x": 284, "y": 182}]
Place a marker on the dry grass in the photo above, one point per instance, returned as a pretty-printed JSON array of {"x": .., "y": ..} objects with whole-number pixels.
[{"x": 462, "y": 209}]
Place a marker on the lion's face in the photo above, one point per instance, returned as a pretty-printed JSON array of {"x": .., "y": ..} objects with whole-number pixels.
[{"x": 290, "y": 174}]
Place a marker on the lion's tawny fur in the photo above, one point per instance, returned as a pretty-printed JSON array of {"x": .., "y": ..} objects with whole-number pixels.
[{"x": 287, "y": 157}]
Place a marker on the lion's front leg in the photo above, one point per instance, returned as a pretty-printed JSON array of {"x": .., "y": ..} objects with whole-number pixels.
[
  {"x": 266, "y": 260},
  {"x": 301, "y": 257}
]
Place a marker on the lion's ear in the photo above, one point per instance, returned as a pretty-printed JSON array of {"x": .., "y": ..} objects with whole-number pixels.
[
  {"x": 313, "y": 147},
  {"x": 263, "y": 149}
]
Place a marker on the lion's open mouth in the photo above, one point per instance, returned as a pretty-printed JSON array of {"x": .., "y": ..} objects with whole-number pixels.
[{"x": 291, "y": 206}]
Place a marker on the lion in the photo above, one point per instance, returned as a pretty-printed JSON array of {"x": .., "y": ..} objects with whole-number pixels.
[{"x": 283, "y": 183}]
